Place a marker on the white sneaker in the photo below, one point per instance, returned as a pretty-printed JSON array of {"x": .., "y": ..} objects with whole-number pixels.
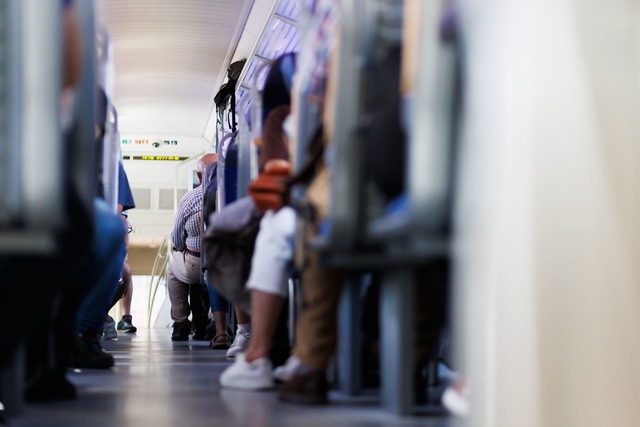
[
  {"x": 456, "y": 402},
  {"x": 285, "y": 372},
  {"x": 239, "y": 345},
  {"x": 243, "y": 375}
]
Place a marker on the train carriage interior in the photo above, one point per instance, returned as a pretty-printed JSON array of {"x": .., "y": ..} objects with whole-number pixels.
[{"x": 319, "y": 213}]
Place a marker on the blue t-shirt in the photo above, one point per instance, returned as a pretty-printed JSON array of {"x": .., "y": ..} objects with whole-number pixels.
[{"x": 125, "y": 197}]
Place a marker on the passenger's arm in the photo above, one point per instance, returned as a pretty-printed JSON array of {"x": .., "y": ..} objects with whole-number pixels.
[{"x": 179, "y": 234}]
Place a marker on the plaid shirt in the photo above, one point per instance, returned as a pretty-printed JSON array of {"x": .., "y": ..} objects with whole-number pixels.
[{"x": 186, "y": 229}]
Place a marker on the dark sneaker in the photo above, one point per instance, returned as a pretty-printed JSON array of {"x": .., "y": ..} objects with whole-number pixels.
[
  {"x": 200, "y": 331},
  {"x": 181, "y": 331},
  {"x": 109, "y": 332},
  {"x": 126, "y": 326},
  {"x": 200, "y": 335},
  {"x": 306, "y": 386},
  {"x": 88, "y": 353}
]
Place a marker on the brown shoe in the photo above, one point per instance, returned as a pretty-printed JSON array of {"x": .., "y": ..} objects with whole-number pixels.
[
  {"x": 221, "y": 341},
  {"x": 309, "y": 388},
  {"x": 88, "y": 353}
]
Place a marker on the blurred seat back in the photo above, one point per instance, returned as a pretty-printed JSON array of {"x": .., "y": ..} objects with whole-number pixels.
[{"x": 31, "y": 144}]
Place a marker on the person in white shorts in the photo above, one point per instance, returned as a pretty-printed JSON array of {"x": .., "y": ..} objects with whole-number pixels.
[
  {"x": 270, "y": 266},
  {"x": 273, "y": 251}
]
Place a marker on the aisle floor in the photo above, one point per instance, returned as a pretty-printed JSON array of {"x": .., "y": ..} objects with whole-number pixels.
[{"x": 159, "y": 383}]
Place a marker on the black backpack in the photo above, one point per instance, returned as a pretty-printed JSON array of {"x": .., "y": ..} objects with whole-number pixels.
[{"x": 228, "y": 248}]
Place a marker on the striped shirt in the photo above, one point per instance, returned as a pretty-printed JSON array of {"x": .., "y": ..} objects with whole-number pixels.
[{"x": 186, "y": 229}]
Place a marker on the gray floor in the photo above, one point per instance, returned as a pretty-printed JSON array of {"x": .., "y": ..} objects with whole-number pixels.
[{"x": 160, "y": 383}]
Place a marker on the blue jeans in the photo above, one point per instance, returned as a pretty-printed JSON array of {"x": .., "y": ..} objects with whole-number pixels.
[
  {"x": 217, "y": 301},
  {"x": 107, "y": 259}
]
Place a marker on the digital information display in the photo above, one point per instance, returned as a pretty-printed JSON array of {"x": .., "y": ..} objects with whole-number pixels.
[
  {"x": 145, "y": 141},
  {"x": 163, "y": 158}
]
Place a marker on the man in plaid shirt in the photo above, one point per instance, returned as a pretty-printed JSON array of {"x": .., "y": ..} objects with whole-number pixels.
[{"x": 184, "y": 269}]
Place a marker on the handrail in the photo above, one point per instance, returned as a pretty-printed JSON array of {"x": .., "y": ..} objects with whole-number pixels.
[
  {"x": 161, "y": 260},
  {"x": 175, "y": 180}
]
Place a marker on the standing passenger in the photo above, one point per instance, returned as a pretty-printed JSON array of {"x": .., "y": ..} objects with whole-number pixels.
[
  {"x": 126, "y": 203},
  {"x": 125, "y": 288},
  {"x": 184, "y": 270}
]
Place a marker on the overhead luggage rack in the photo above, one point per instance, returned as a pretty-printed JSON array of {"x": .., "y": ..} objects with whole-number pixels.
[{"x": 280, "y": 35}]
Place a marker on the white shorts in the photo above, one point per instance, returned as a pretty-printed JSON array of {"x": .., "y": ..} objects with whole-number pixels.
[{"x": 273, "y": 252}]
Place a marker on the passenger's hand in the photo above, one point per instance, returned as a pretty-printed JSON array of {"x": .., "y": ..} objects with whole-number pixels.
[{"x": 269, "y": 190}]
